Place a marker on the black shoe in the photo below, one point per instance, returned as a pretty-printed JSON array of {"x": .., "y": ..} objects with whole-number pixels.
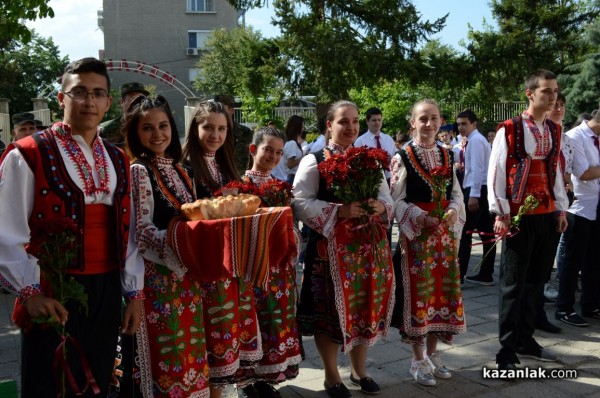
[
  {"x": 506, "y": 365},
  {"x": 538, "y": 353},
  {"x": 592, "y": 314},
  {"x": 571, "y": 319},
  {"x": 546, "y": 326},
  {"x": 266, "y": 390},
  {"x": 248, "y": 392},
  {"x": 480, "y": 280},
  {"x": 337, "y": 391},
  {"x": 367, "y": 385}
]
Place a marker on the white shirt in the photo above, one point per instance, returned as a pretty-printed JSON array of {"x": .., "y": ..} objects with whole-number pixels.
[
  {"x": 585, "y": 155},
  {"x": 291, "y": 150},
  {"x": 17, "y": 183},
  {"x": 496, "y": 179},
  {"x": 387, "y": 144},
  {"x": 279, "y": 172},
  {"x": 318, "y": 144},
  {"x": 477, "y": 158}
]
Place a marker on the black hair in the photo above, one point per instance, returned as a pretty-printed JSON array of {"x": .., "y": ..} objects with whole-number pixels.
[
  {"x": 193, "y": 152},
  {"x": 533, "y": 80},
  {"x": 137, "y": 108},
  {"x": 469, "y": 114},
  {"x": 84, "y": 65},
  {"x": 372, "y": 111}
]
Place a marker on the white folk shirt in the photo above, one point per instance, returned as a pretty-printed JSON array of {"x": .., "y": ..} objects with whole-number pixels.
[
  {"x": 17, "y": 195},
  {"x": 477, "y": 158},
  {"x": 585, "y": 155},
  {"x": 387, "y": 144},
  {"x": 496, "y": 179}
]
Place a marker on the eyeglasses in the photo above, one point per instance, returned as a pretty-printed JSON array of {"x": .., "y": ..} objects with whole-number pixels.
[{"x": 80, "y": 95}]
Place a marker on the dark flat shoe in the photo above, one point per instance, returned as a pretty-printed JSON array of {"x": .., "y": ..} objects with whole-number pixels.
[
  {"x": 337, "y": 391},
  {"x": 367, "y": 385}
]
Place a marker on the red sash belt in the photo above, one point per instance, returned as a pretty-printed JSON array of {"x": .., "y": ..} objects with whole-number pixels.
[
  {"x": 538, "y": 186},
  {"x": 99, "y": 241},
  {"x": 428, "y": 206}
]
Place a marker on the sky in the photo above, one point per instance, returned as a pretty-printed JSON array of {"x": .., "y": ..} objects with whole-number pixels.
[{"x": 75, "y": 31}]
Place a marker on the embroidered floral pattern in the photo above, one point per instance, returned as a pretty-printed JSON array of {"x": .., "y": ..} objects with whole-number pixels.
[
  {"x": 85, "y": 171},
  {"x": 542, "y": 140},
  {"x": 213, "y": 167},
  {"x": 29, "y": 291},
  {"x": 276, "y": 309}
]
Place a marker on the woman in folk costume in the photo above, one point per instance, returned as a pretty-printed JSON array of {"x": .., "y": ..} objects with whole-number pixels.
[
  {"x": 276, "y": 305},
  {"x": 171, "y": 352},
  {"x": 342, "y": 302},
  {"x": 232, "y": 336},
  {"x": 430, "y": 212}
]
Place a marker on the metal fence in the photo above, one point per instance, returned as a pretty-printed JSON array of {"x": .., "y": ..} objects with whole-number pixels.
[
  {"x": 488, "y": 112},
  {"x": 5, "y": 126}
]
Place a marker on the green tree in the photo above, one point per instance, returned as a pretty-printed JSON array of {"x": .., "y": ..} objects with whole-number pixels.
[
  {"x": 580, "y": 81},
  {"x": 13, "y": 14},
  {"x": 335, "y": 45},
  {"x": 242, "y": 63},
  {"x": 530, "y": 34},
  {"x": 25, "y": 69}
]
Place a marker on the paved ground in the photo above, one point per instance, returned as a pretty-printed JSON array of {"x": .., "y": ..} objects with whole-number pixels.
[{"x": 388, "y": 362}]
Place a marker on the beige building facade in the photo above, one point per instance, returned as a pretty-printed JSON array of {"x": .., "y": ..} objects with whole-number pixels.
[{"x": 159, "y": 43}]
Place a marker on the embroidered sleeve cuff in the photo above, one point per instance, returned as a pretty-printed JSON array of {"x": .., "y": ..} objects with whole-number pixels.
[
  {"x": 29, "y": 291},
  {"x": 134, "y": 295},
  {"x": 560, "y": 213}
]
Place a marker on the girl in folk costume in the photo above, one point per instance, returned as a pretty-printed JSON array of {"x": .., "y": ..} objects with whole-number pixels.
[
  {"x": 232, "y": 337},
  {"x": 171, "y": 353},
  {"x": 342, "y": 302},
  {"x": 276, "y": 305},
  {"x": 430, "y": 212}
]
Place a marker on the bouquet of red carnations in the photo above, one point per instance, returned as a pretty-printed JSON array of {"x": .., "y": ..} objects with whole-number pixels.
[
  {"x": 236, "y": 188},
  {"x": 273, "y": 193},
  {"x": 355, "y": 175}
]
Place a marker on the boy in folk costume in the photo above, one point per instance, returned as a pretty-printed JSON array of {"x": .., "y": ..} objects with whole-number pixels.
[
  {"x": 525, "y": 161},
  {"x": 68, "y": 172}
]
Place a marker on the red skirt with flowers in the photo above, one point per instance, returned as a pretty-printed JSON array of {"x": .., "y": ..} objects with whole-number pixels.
[
  {"x": 430, "y": 298},
  {"x": 347, "y": 291},
  {"x": 276, "y": 309},
  {"x": 171, "y": 337},
  {"x": 232, "y": 337}
]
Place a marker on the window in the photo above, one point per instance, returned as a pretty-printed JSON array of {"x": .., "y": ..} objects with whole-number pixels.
[
  {"x": 196, "y": 38},
  {"x": 192, "y": 73},
  {"x": 200, "y": 6}
]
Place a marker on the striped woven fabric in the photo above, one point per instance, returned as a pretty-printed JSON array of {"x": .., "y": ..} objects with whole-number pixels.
[{"x": 246, "y": 247}]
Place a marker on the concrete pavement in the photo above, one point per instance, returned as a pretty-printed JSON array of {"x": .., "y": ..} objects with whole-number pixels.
[{"x": 388, "y": 362}]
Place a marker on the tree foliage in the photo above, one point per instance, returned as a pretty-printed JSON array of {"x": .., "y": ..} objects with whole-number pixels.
[
  {"x": 14, "y": 13},
  {"x": 337, "y": 45},
  {"x": 26, "y": 69},
  {"x": 530, "y": 34},
  {"x": 242, "y": 63},
  {"x": 581, "y": 81}
]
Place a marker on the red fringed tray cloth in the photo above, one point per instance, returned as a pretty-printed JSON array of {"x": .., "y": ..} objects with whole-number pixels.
[{"x": 246, "y": 247}]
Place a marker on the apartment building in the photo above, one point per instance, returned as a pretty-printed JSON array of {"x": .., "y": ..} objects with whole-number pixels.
[{"x": 159, "y": 42}]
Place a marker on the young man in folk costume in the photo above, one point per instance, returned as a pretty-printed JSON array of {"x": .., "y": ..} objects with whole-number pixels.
[
  {"x": 525, "y": 161},
  {"x": 68, "y": 172}
]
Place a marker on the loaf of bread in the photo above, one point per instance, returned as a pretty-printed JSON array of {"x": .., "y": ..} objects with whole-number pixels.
[{"x": 221, "y": 207}]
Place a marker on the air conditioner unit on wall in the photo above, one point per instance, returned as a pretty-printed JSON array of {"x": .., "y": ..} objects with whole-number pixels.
[{"x": 192, "y": 51}]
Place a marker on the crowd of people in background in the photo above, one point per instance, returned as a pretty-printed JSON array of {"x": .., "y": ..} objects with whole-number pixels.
[{"x": 154, "y": 329}]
